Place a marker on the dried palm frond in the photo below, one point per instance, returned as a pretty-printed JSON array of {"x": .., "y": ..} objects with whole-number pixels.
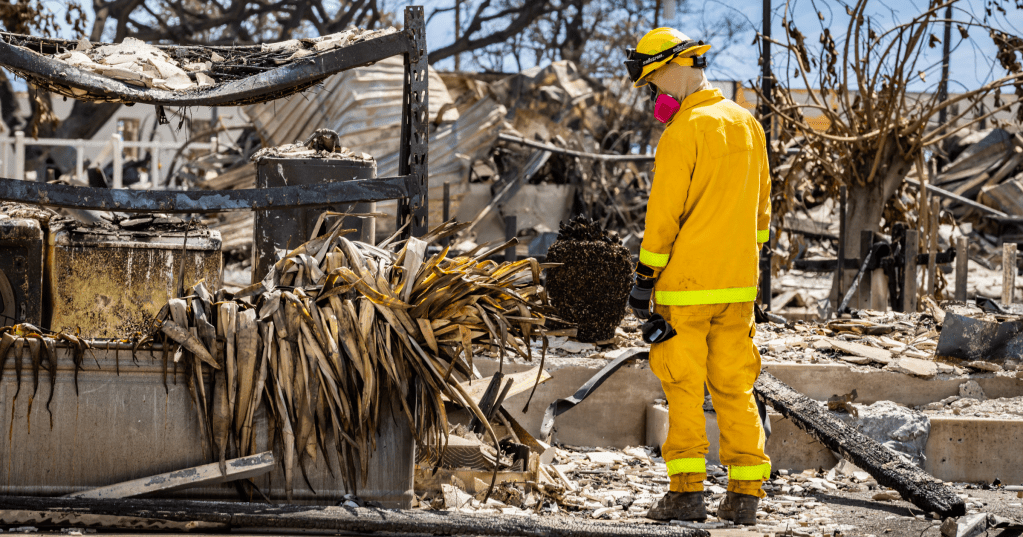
[{"x": 334, "y": 326}]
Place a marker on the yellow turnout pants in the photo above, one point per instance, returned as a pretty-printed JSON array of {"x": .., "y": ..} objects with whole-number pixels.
[{"x": 713, "y": 346}]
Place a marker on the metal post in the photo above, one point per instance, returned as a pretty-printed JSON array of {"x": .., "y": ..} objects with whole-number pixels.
[
  {"x": 866, "y": 241},
  {"x": 413, "y": 145},
  {"x": 765, "y": 119},
  {"x": 840, "y": 270},
  {"x": 962, "y": 267},
  {"x": 909, "y": 271},
  {"x": 766, "y": 78},
  {"x": 19, "y": 155},
  {"x": 510, "y": 230},
  {"x": 1008, "y": 272},
  {"x": 80, "y": 161},
  {"x": 118, "y": 160}
]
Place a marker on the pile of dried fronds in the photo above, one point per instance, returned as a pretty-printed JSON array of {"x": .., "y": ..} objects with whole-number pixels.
[{"x": 335, "y": 328}]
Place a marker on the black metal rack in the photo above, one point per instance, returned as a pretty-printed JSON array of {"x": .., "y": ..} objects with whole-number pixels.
[{"x": 409, "y": 187}]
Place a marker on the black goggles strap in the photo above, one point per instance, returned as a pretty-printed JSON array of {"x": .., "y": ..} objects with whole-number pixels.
[{"x": 637, "y": 61}]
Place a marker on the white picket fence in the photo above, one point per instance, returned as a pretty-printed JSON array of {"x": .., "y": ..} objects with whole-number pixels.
[{"x": 117, "y": 145}]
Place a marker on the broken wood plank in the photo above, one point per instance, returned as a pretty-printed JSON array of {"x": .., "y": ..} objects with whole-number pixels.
[
  {"x": 125, "y": 514},
  {"x": 866, "y": 353},
  {"x": 917, "y": 486},
  {"x": 521, "y": 382},
  {"x": 207, "y": 474}
]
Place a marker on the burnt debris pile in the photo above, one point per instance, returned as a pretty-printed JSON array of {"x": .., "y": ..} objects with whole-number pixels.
[{"x": 591, "y": 285}]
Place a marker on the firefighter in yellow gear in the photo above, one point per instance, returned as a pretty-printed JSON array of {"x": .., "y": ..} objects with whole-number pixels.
[{"x": 707, "y": 218}]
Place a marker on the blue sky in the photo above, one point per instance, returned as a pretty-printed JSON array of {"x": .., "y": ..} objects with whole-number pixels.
[{"x": 970, "y": 63}]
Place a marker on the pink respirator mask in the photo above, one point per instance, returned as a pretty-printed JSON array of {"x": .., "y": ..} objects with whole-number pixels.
[{"x": 665, "y": 107}]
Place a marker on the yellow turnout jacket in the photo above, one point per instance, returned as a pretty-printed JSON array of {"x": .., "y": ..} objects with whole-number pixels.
[{"x": 710, "y": 204}]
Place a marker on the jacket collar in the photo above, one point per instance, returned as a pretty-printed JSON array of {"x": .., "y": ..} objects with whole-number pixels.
[{"x": 700, "y": 97}]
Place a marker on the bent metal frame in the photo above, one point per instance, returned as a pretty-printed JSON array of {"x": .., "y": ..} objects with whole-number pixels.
[{"x": 410, "y": 187}]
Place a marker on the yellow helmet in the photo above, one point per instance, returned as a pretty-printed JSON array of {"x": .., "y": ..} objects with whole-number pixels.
[{"x": 658, "y": 47}]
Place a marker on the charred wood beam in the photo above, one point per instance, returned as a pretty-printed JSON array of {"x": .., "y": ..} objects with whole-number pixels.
[
  {"x": 138, "y": 514},
  {"x": 204, "y": 201},
  {"x": 915, "y": 485}
]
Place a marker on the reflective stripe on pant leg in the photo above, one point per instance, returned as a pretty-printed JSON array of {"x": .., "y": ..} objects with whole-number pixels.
[
  {"x": 748, "y": 473},
  {"x": 692, "y": 465}
]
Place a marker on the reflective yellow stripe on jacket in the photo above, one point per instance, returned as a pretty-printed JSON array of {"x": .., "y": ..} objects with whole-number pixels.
[{"x": 709, "y": 296}]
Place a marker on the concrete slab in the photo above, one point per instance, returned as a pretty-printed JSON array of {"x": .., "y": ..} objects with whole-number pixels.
[
  {"x": 975, "y": 449},
  {"x": 821, "y": 381}
]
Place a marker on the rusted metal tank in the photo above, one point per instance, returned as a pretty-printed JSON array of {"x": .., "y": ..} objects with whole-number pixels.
[
  {"x": 128, "y": 426},
  {"x": 21, "y": 271},
  {"x": 289, "y": 228},
  {"x": 111, "y": 283}
]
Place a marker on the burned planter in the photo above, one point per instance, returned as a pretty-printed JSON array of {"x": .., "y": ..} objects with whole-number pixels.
[{"x": 592, "y": 285}]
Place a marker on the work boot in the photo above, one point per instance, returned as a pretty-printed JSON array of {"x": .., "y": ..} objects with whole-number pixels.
[
  {"x": 679, "y": 506},
  {"x": 739, "y": 508}
]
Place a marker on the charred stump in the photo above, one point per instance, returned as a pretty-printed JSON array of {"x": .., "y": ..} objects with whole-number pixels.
[{"x": 591, "y": 287}]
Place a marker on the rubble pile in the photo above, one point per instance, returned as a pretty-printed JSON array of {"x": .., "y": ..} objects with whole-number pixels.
[
  {"x": 621, "y": 485},
  {"x": 902, "y": 342}
]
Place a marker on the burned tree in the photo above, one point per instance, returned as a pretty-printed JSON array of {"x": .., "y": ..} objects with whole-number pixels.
[{"x": 858, "y": 124}]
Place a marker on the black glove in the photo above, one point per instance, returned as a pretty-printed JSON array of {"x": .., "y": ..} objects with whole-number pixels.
[
  {"x": 639, "y": 301},
  {"x": 639, "y": 298}
]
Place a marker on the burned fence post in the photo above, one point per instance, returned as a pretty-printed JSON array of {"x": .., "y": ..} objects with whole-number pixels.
[
  {"x": 866, "y": 242},
  {"x": 962, "y": 267},
  {"x": 932, "y": 247},
  {"x": 1008, "y": 272},
  {"x": 909, "y": 271},
  {"x": 840, "y": 269}
]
